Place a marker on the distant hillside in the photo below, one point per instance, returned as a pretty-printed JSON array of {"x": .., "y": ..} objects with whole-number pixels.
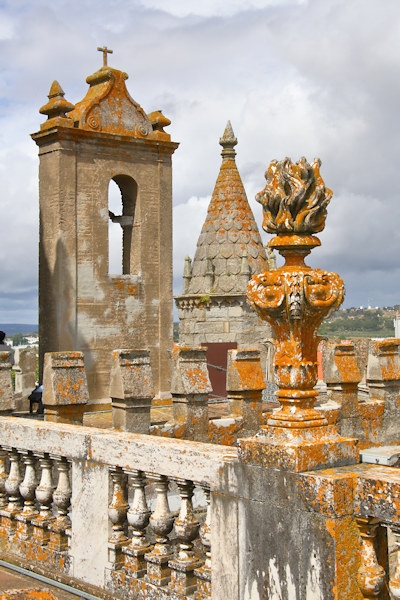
[
  {"x": 13, "y": 328},
  {"x": 360, "y": 322}
]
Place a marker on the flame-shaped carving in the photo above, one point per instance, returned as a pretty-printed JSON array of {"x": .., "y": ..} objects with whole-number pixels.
[{"x": 295, "y": 198}]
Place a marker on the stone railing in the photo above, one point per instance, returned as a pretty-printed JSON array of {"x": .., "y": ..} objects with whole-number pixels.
[
  {"x": 115, "y": 511},
  {"x": 373, "y": 417}
]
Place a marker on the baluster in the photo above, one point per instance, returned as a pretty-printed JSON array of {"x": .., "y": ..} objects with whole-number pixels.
[
  {"x": 394, "y": 584},
  {"x": 183, "y": 580},
  {"x": 161, "y": 521},
  {"x": 138, "y": 518},
  {"x": 44, "y": 495},
  {"x": 203, "y": 573},
  {"x": 12, "y": 483},
  {"x": 3, "y": 477},
  {"x": 11, "y": 486},
  {"x": 117, "y": 510},
  {"x": 371, "y": 575},
  {"x": 59, "y": 539},
  {"x": 3, "y": 495},
  {"x": 27, "y": 489}
]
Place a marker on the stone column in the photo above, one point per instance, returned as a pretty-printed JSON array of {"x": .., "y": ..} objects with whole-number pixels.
[
  {"x": 131, "y": 390},
  {"x": 190, "y": 387},
  {"x": 244, "y": 384},
  {"x": 6, "y": 388},
  {"x": 65, "y": 392}
]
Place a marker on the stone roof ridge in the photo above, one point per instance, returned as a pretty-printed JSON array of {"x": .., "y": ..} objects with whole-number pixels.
[{"x": 229, "y": 249}]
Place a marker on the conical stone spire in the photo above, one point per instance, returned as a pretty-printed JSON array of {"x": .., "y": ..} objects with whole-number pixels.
[{"x": 229, "y": 233}]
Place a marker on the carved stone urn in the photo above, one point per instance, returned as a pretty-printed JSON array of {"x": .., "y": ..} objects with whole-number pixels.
[{"x": 295, "y": 299}]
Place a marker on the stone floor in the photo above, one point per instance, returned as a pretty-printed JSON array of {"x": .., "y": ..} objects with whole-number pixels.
[
  {"x": 14, "y": 585},
  {"x": 159, "y": 414}
]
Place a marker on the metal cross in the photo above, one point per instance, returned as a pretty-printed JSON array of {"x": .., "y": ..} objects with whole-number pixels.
[{"x": 105, "y": 51}]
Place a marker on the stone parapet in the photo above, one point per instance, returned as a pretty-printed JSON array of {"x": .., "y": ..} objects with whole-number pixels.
[{"x": 134, "y": 490}]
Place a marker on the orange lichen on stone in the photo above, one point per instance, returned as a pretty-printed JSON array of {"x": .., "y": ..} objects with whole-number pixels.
[
  {"x": 224, "y": 434},
  {"x": 28, "y": 594},
  {"x": 344, "y": 533},
  {"x": 244, "y": 370},
  {"x": 329, "y": 491},
  {"x": 109, "y": 108},
  {"x": 377, "y": 493}
]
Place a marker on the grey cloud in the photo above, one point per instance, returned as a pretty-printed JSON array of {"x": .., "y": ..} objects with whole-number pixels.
[{"x": 313, "y": 79}]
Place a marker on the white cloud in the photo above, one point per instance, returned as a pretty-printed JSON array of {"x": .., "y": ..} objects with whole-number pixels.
[{"x": 213, "y": 8}]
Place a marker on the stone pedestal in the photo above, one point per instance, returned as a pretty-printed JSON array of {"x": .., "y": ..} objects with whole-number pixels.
[
  {"x": 190, "y": 388},
  {"x": 299, "y": 449},
  {"x": 65, "y": 392},
  {"x": 342, "y": 376},
  {"x": 131, "y": 390},
  {"x": 244, "y": 384},
  {"x": 383, "y": 380},
  {"x": 6, "y": 388},
  {"x": 25, "y": 360}
]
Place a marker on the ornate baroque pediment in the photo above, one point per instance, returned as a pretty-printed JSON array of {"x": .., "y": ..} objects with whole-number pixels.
[{"x": 109, "y": 108}]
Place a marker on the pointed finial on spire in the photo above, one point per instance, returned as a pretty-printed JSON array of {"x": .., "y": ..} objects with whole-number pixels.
[{"x": 228, "y": 141}]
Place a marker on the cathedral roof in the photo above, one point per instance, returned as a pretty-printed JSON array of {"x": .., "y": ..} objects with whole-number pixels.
[{"x": 229, "y": 249}]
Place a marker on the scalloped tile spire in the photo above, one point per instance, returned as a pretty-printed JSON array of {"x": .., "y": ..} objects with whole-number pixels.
[{"x": 229, "y": 248}]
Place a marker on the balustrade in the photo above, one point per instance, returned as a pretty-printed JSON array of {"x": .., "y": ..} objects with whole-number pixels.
[
  {"x": 164, "y": 549},
  {"x": 153, "y": 533}
]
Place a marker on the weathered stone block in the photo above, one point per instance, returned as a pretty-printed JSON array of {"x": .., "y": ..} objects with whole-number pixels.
[
  {"x": 384, "y": 360},
  {"x": 244, "y": 370},
  {"x": 340, "y": 363},
  {"x": 190, "y": 387},
  {"x": 190, "y": 374},
  {"x": 6, "y": 388},
  {"x": 65, "y": 392},
  {"x": 330, "y": 493},
  {"x": 131, "y": 390}
]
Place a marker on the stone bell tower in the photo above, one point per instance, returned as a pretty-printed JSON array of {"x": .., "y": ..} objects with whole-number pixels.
[{"x": 82, "y": 305}]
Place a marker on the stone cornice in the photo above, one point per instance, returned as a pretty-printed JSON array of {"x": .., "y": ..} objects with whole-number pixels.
[
  {"x": 60, "y": 133},
  {"x": 191, "y": 301}
]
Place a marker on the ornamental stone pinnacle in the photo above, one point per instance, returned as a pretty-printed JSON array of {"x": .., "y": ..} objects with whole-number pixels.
[
  {"x": 294, "y": 300},
  {"x": 56, "y": 108}
]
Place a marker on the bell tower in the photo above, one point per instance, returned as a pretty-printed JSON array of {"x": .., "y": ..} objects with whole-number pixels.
[{"x": 83, "y": 305}]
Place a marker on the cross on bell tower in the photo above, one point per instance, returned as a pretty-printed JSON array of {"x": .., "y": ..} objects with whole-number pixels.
[{"x": 105, "y": 51}]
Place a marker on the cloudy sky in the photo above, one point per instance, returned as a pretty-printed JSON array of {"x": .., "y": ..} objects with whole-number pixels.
[{"x": 295, "y": 77}]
